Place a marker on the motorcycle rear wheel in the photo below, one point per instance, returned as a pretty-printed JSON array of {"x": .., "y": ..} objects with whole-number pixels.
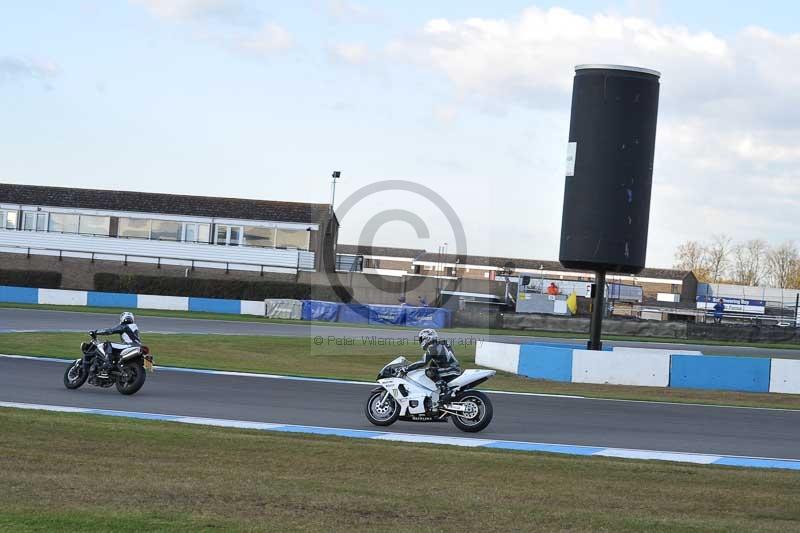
[
  {"x": 135, "y": 381},
  {"x": 383, "y": 413},
  {"x": 75, "y": 375},
  {"x": 483, "y": 417}
]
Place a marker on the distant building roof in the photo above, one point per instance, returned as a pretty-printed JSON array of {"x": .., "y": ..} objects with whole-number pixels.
[
  {"x": 535, "y": 264},
  {"x": 490, "y": 261},
  {"x": 171, "y": 204},
  {"x": 382, "y": 251}
]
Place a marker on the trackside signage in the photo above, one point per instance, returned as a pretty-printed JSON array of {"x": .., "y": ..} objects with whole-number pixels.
[{"x": 733, "y": 305}]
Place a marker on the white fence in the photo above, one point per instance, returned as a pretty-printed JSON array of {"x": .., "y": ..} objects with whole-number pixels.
[{"x": 156, "y": 252}]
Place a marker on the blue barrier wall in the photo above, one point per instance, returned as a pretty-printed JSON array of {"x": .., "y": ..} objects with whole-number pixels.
[
  {"x": 749, "y": 374},
  {"x": 390, "y": 315},
  {"x": 111, "y": 299},
  {"x": 545, "y": 362},
  {"x": 19, "y": 295},
  {"x": 319, "y": 310},
  {"x": 215, "y": 305},
  {"x": 427, "y": 317},
  {"x": 353, "y": 314}
]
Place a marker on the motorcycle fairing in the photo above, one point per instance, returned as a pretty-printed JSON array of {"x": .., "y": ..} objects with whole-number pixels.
[
  {"x": 417, "y": 387},
  {"x": 469, "y": 377}
]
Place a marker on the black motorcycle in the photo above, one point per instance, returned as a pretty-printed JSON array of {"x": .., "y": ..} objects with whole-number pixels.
[{"x": 128, "y": 372}]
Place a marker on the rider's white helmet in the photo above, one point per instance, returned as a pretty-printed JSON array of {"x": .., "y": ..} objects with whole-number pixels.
[
  {"x": 427, "y": 337},
  {"x": 126, "y": 318}
]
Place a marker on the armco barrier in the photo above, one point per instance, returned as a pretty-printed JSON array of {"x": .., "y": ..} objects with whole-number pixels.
[
  {"x": 215, "y": 305},
  {"x": 19, "y": 295},
  {"x": 545, "y": 362},
  {"x": 111, "y": 299},
  {"x": 171, "y": 303},
  {"x": 252, "y": 307},
  {"x": 784, "y": 376},
  {"x": 639, "y": 367},
  {"x": 61, "y": 297},
  {"x": 748, "y": 374},
  {"x": 498, "y": 355}
]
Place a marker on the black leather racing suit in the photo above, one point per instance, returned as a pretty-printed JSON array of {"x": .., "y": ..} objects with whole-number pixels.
[
  {"x": 442, "y": 365},
  {"x": 128, "y": 334}
]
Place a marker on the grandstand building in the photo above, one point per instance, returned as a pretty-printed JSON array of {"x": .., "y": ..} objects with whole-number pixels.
[
  {"x": 657, "y": 284},
  {"x": 166, "y": 229}
]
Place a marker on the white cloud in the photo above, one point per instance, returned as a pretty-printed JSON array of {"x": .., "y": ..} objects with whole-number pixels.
[
  {"x": 229, "y": 23},
  {"x": 445, "y": 113},
  {"x": 536, "y": 52},
  {"x": 351, "y": 53},
  {"x": 185, "y": 10},
  {"x": 349, "y": 11},
  {"x": 727, "y": 153},
  {"x": 17, "y": 68},
  {"x": 271, "y": 38}
]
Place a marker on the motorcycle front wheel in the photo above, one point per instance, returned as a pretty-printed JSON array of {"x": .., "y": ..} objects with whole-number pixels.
[
  {"x": 479, "y": 415},
  {"x": 131, "y": 379},
  {"x": 75, "y": 375},
  {"x": 381, "y": 409}
]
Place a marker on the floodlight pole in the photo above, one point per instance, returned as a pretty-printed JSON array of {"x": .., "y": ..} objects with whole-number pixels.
[
  {"x": 337, "y": 174},
  {"x": 598, "y": 306}
]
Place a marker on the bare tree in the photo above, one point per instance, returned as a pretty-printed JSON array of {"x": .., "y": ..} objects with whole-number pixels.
[
  {"x": 748, "y": 262},
  {"x": 784, "y": 265},
  {"x": 691, "y": 255},
  {"x": 718, "y": 257}
]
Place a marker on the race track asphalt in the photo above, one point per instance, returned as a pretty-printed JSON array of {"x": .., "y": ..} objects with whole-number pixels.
[
  {"x": 561, "y": 420},
  {"x": 44, "y": 320}
]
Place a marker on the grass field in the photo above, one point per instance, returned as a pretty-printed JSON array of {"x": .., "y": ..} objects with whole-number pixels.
[
  {"x": 301, "y": 356},
  {"x": 55, "y": 477},
  {"x": 475, "y": 331}
]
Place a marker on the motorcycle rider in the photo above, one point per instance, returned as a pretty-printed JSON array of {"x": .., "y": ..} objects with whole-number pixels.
[
  {"x": 442, "y": 364},
  {"x": 129, "y": 334}
]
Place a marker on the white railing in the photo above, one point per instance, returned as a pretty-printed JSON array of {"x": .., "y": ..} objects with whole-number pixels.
[{"x": 192, "y": 255}]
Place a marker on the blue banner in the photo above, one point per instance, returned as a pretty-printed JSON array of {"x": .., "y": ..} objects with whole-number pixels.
[
  {"x": 393, "y": 315},
  {"x": 427, "y": 317},
  {"x": 354, "y": 313},
  {"x": 318, "y": 310}
]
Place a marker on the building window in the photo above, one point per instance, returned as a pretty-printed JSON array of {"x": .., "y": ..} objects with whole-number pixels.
[
  {"x": 63, "y": 223},
  {"x": 28, "y": 220},
  {"x": 371, "y": 263},
  {"x": 290, "y": 238},
  {"x": 136, "y": 228},
  {"x": 195, "y": 232},
  {"x": 11, "y": 220},
  {"x": 165, "y": 230},
  {"x": 228, "y": 235},
  {"x": 235, "y": 236},
  {"x": 261, "y": 237},
  {"x": 92, "y": 225},
  {"x": 41, "y": 221}
]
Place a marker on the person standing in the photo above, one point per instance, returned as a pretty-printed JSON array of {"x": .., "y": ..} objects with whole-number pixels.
[{"x": 719, "y": 308}]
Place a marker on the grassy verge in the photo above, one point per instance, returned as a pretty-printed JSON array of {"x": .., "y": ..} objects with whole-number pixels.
[
  {"x": 185, "y": 478},
  {"x": 578, "y": 337},
  {"x": 302, "y": 356}
]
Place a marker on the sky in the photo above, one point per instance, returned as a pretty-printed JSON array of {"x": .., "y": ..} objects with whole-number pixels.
[{"x": 468, "y": 101}]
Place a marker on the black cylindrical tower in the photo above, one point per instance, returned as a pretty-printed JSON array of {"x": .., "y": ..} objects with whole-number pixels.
[{"x": 612, "y": 136}]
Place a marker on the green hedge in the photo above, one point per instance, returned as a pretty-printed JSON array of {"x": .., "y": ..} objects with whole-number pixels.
[
  {"x": 42, "y": 279},
  {"x": 216, "y": 288}
]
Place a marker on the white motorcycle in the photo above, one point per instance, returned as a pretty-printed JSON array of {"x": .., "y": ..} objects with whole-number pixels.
[{"x": 414, "y": 396}]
